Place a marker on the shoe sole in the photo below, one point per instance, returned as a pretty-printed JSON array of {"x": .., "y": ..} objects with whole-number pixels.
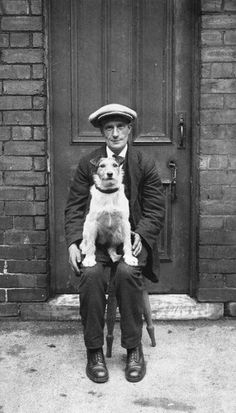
[
  {"x": 135, "y": 380},
  {"x": 97, "y": 380}
]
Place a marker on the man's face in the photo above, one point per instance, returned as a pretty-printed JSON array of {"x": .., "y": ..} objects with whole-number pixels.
[{"x": 116, "y": 133}]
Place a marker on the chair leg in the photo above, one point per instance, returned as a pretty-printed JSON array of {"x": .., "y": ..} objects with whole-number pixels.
[{"x": 147, "y": 312}]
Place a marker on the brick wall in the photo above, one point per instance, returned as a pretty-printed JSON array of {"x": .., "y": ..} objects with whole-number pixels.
[
  {"x": 23, "y": 191},
  {"x": 217, "y": 254},
  {"x": 23, "y": 138}
]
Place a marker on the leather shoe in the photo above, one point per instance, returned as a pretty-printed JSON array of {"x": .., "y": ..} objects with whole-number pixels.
[
  {"x": 135, "y": 366},
  {"x": 96, "y": 369}
]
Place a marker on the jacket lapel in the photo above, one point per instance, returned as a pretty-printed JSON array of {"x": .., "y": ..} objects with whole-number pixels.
[{"x": 135, "y": 173}]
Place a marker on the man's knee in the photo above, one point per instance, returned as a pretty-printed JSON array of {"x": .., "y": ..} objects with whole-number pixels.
[{"x": 126, "y": 273}]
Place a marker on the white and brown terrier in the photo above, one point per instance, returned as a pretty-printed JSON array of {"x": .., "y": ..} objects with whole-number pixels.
[{"x": 107, "y": 221}]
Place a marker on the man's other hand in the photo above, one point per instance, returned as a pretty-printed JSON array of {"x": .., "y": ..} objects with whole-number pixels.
[
  {"x": 137, "y": 244},
  {"x": 74, "y": 258}
]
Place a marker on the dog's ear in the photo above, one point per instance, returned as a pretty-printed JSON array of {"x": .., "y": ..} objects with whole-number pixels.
[{"x": 119, "y": 159}]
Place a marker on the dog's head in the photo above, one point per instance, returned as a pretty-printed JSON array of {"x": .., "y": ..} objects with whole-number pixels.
[{"x": 109, "y": 173}]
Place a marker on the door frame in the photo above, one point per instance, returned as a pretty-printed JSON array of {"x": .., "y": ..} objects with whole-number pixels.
[{"x": 194, "y": 151}]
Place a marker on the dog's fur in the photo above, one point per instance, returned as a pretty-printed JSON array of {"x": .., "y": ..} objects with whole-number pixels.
[{"x": 108, "y": 218}]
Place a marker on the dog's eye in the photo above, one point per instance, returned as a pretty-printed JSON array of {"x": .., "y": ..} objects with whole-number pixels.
[
  {"x": 102, "y": 165},
  {"x": 115, "y": 165}
]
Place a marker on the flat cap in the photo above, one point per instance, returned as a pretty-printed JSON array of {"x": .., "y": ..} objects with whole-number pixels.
[{"x": 113, "y": 109}]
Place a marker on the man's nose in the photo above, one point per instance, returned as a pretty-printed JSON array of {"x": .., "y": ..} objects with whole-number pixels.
[{"x": 115, "y": 131}]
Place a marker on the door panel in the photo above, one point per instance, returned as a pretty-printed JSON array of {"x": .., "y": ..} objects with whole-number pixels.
[{"x": 137, "y": 53}]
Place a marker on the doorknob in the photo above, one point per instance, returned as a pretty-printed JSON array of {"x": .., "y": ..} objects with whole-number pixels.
[{"x": 173, "y": 169}]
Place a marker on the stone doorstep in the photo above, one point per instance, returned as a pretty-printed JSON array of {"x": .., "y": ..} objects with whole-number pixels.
[{"x": 164, "y": 307}]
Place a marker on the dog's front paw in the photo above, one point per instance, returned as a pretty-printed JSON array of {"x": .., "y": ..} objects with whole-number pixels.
[
  {"x": 89, "y": 262},
  {"x": 130, "y": 260}
]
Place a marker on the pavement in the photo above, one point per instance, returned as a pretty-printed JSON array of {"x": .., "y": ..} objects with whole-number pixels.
[{"x": 192, "y": 369}]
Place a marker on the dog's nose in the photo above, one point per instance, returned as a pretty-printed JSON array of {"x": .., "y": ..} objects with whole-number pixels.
[{"x": 109, "y": 174}]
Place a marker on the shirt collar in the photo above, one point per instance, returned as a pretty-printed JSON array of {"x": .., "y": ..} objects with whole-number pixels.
[{"x": 122, "y": 153}]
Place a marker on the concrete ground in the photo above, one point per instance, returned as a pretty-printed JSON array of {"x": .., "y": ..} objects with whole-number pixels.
[{"x": 192, "y": 369}]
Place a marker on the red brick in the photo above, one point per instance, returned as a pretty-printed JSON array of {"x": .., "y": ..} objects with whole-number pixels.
[
  {"x": 230, "y": 37},
  {"x": 40, "y": 164},
  {"x": 4, "y": 40},
  {"x": 218, "y": 54},
  {"x": 211, "y": 5},
  {"x": 15, "y": 102},
  {"x": 20, "y": 23},
  {"x": 41, "y": 194},
  {"x": 22, "y": 55},
  {"x": 36, "y": 6},
  {"x": 24, "y": 148},
  {"x": 25, "y": 178},
  {"x": 218, "y": 237},
  {"x": 222, "y": 70},
  {"x": 19, "y": 39},
  {"x": 230, "y": 280},
  {"x": 23, "y": 87},
  {"x": 218, "y": 85},
  {"x": 230, "y": 223},
  {"x": 37, "y": 39},
  {"x": 218, "y": 208},
  {"x": 15, "y": 7},
  {"x": 39, "y": 102},
  {"x": 211, "y": 38},
  {"x": 41, "y": 252},
  {"x": 211, "y": 281},
  {"x": 217, "y": 177},
  {"x": 1, "y": 237},
  {"x": 21, "y": 133},
  {"x": 40, "y": 133},
  {"x": 14, "y": 71},
  {"x": 229, "y": 5},
  {"x": 216, "y": 294},
  {"x": 2, "y": 296},
  {"x": 217, "y": 251},
  {"x": 220, "y": 147},
  {"x": 212, "y": 101},
  {"x": 21, "y": 252},
  {"x": 23, "y": 266},
  {"x": 16, "y": 193},
  {"x": 23, "y": 223},
  {"x": 25, "y": 237},
  {"x": 218, "y": 131},
  {"x": 9, "y": 310},
  {"x": 230, "y": 101},
  {"x": 6, "y": 223},
  {"x": 27, "y": 294},
  {"x": 40, "y": 223},
  {"x": 38, "y": 71},
  {"x": 25, "y": 117},
  {"x": 15, "y": 163},
  {"x": 222, "y": 21},
  {"x": 5, "y": 133},
  {"x": 24, "y": 208},
  {"x": 229, "y": 193},
  {"x": 208, "y": 222},
  {"x": 23, "y": 281}
]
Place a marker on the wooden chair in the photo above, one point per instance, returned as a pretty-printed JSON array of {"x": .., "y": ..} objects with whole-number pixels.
[{"x": 111, "y": 318}]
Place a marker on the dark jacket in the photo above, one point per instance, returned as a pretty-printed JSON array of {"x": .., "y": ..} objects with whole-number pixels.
[{"x": 145, "y": 198}]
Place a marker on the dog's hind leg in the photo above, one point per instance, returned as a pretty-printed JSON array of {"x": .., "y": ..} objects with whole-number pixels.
[{"x": 114, "y": 256}]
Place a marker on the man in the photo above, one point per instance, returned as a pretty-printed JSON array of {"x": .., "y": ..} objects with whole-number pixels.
[{"x": 144, "y": 190}]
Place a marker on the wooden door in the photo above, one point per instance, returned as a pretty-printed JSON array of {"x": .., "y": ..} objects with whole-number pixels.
[{"x": 137, "y": 53}]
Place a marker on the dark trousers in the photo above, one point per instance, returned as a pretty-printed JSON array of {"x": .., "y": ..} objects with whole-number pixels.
[{"x": 127, "y": 284}]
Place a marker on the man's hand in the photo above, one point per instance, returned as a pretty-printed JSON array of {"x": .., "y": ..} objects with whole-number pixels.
[
  {"x": 137, "y": 244},
  {"x": 74, "y": 258}
]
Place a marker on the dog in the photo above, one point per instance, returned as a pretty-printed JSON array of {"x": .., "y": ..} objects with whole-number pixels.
[{"x": 107, "y": 221}]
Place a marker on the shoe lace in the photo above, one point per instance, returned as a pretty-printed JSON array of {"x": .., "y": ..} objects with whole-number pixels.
[
  {"x": 134, "y": 355},
  {"x": 99, "y": 357}
]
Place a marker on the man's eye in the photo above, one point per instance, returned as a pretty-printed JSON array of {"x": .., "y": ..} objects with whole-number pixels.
[{"x": 108, "y": 129}]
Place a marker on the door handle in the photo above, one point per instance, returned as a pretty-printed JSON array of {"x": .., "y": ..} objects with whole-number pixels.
[
  {"x": 181, "y": 120},
  {"x": 173, "y": 170}
]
